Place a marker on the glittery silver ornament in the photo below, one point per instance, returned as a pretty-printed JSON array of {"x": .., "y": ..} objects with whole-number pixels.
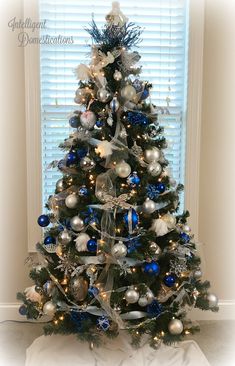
[
  {"x": 87, "y": 163},
  {"x": 77, "y": 223},
  {"x": 117, "y": 75},
  {"x": 60, "y": 185},
  {"x": 119, "y": 250},
  {"x": 155, "y": 249},
  {"x": 175, "y": 327},
  {"x": 64, "y": 237},
  {"x": 71, "y": 200},
  {"x": 149, "y": 206},
  {"x": 213, "y": 300},
  {"x": 132, "y": 296},
  {"x": 143, "y": 301},
  {"x": 49, "y": 308},
  {"x": 78, "y": 288},
  {"x": 152, "y": 154},
  {"x": 197, "y": 274},
  {"x": 154, "y": 169},
  {"x": 114, "y": 105},
  {"x": 123, "y": 169},
  {"x": 128, "y": 92},
  {"x": 88, "y": 119},
  {"x": 103, "y": 95}
]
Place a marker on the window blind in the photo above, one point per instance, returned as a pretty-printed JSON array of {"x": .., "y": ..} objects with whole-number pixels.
[{"x": 163, "y": 53}]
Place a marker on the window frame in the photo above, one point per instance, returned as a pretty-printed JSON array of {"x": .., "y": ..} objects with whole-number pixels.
[{"x": 193, "y": 121}]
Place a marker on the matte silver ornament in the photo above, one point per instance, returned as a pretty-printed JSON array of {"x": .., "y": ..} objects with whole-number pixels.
[
  {"x": 197, "y": 274},
  {"x": 149, "y": 206},
  {"x": 77, "y": 223},
  {"x": 119, "y": 250},
  {"x": 213, "y": 300},
  {"x": 103, "y": 95},
  {"x": 88, "y": 119},
  {"x": 49, "y": 308},
  {"x": 154, "y": 169},
  {"x": 78, "y": 288},
  {"x": 143, "y": 301},
  {"x": 155, "y": 249},
  {"x": 64, "y": 237},
  {"x": 117, "y": 75},
  {"x": 71, "y": 200},
  {"x": 123, "y": 169},
  {"x": 152, "y": 154},
  {"x": 175, "y": 327},
  {"x": 60, "y": 185},
  {"x": 87, "y": 163},
  {"x": 128, "y": 92},
  {"x": 132, "y": 296}
]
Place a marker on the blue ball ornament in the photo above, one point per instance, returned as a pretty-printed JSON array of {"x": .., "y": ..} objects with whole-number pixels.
[
  {"x": 49, "y": 240},
  {"x": 169, "y": 280},
  {"x": 71, "y": 158},
  {"x": 43, "y": 220},
  {"x": 184, "y": 237},
  {"x": 145, "y": 94},
  {"x": 160, "y": 187},
  {"x": 103, "y": 323},
  {"x": 92, "y": 245},
  {"x": 99, "y": 123},
  {"x": 81, "y": 153},
  {"x": 74, "y": 122},
  {"x": 133, "y": 180},
  {"x": 23, "y": 310},
  {"x": 132, "y": 218},
  {"x": 154, "y": 309},
  {"x": 83, "y": 191},
  {"x": 151, "y": 268}
]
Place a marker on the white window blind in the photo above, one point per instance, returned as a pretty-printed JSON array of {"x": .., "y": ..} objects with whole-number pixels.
[{"x": 163, "y": 53}]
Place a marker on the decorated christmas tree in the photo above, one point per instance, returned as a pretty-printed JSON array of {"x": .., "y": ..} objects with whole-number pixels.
[{"x": 116, "y": 253}]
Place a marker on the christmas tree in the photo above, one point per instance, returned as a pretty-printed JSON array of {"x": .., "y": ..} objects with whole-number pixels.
[{"x": 116, "y": 253}]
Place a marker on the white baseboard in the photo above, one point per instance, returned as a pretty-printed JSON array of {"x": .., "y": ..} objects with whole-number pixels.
[{"x": 10, "y": 311}]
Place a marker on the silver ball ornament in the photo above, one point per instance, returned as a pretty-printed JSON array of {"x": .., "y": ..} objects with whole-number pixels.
[
  {"x": 88, "y": 119},
  {"x": 79, "y": 288},
  {"x": 128, "y": 92},
  {"x": 123, "y": 169},
  {"x": 117, "y": 75},
  {"x": 152, "y": 154},
  {"x": 114, "y": 105},
  {"x": 60, "y": 185},
  {"x": 154, "y": 169},
  {"x": 155, "y": 249},
  {"x": 132, "y": 296},
  {"x": 64, "y": 237},
  {"x": 71, "y": 200},
  {"x": 175, "y": 327},
  {"x": 77, "y": 223},
  {"x": 49, "y": 308},
  {"x": 143, "y": 301},
  {"x": 87, "y": 163},
  {"x": 101, "y": 257},
  {"x": 213, "y": 300},
  {"x": 103, "y": 95},
  {"x": 149, "y": 206},
  {"x": 119, "y": 250},
  {"x": 197, "y": 274}
]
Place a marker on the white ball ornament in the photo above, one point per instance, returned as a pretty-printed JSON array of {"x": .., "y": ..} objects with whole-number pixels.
[
  {"x": 213, "y": 300},
  {"x": 117, "y": 75},
  {"x": 154, "y": 168},
  {"x": 143, "y": 301},
  {"x": 49, "y": 308},
  {"x": 103, "y": 95},
  {"x": 197, "y": 274},
  {"x": 59, "y": 185},
  {"x": 149, "y": 206},
  {"x": 132, "y": 296},
  {"x": 71, "y": 200},
  {"x": 119, "y": 250},
  {"x": 175, "y": 327},
  {"x": 152, "y": 154},
  {"x": 150, "y": 296},
  {"x": 64, "y": 237},
  {"x": 77, "y": 223},
  {"x": 123, "y": 169},
  {"x": 81, "y": 242},
  {"x": 128, "y": 92},
  {"x": 88, "y": 120}
]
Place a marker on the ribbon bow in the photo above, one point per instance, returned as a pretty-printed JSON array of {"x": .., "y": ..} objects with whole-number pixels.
[{"x": 113, "y": 202}]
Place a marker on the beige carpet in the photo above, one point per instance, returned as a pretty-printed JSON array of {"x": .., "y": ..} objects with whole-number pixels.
[{"x": 216, "y": 339}]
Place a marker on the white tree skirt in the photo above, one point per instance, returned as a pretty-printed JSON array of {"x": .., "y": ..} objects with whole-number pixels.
[{"x": 59, "y": 350}]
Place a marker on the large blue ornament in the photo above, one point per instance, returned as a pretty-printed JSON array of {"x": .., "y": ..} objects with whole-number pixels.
[
  {"x": 49, "y": 240},
  {"x": 90, "y": 216},
  {"x": 74, "y": 122},
  {"x": 92, "y": 245},
  {"x": 161, "y": 187},
  {"x": 23, "y": 310},
  {"x": 78, "y": 318},
  {"x": 137, "y": 119},
  {"x": 81, "y": 153},
  {"x": 185, "y": 237},
  {"x": 43, "y": 220},
  {"x": 83, "y": 191},
  {"x": 133, "y": 180},
  {"x": 151, "y": 268},
  {"x": 103, "y": 323},
  {"x": 71, "y": 158},
  {"x": 131, "y": 218},
  {"x": 169, "y": 280},
  {"x": 154, "y": 309}
]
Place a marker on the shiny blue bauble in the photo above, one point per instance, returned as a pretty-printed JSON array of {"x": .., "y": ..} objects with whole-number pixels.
[
  {"x": 23, "y": 310},
  {"x": 81, "y": 153},
  {"x": 185, "y": 237},
  {"x": 74, "y": 122},
  {"x": 103, "y": 323},
  {"x": 71, "y": 158},
  {"x": 133, "y": 179},
  {"x": 145, "y": 94},
  {"x": 99, "y": 123},
  {"x": 43, "y": 220},
  {"x": 160, "y": 187},
  {"x": 92, "y": 245},
  {"x": 49, "y": 240},
  {"x": 134, "y": 219},
  {"x": 169, "y": 280},
  {"x": 83, "y": 191},
  {"x": 151, "y": 268}
]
